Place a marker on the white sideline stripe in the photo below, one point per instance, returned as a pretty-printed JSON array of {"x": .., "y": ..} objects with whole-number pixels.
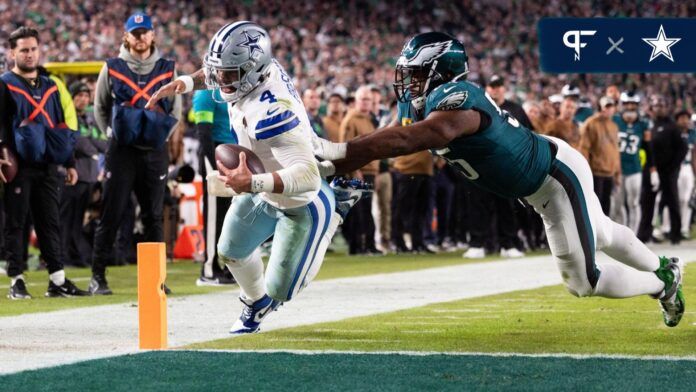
[
  {"x": 109, "y": 330},
  {"x": 457, "y": 354}
]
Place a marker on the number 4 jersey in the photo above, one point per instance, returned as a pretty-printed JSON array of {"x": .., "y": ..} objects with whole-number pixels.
[
  {"x": 272, "y": 122},
  {"x": 630, "y": 139},
  {"x": 504, "y": 157}
]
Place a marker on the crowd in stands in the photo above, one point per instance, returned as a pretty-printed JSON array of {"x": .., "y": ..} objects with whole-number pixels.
[
  {"x": 338, "y": 46},
  {"x": 341, "y": 55}
]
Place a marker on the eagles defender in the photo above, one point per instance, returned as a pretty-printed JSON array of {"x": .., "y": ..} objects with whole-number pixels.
[
  {"x": 291, "y": 202},
  {"x": 439, "y": 110}
]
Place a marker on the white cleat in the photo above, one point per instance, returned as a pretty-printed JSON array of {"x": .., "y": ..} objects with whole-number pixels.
[
  {"x": 474, "y": 253},
  {"x": 512, "y": 253}
]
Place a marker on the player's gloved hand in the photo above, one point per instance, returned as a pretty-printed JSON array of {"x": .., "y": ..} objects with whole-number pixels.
[
  {"x": 216, "y": 186},
  {"x": 328, "y": 150},
  {"x": 654, "y": 181},
  {"x": 326, "y": 168}
]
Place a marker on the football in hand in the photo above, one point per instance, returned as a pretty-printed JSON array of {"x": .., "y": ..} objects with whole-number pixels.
[
  {"x": 9, "y": 171},
  {"x": 228, "y": 154}
]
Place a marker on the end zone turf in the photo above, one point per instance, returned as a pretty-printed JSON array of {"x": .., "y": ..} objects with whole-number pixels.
[{"x": 209, "y": 371}]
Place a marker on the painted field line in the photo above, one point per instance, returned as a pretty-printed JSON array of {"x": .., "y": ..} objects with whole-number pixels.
[
  {"x": 111, "y": 330},
  {"x": 462, "y": 354}
]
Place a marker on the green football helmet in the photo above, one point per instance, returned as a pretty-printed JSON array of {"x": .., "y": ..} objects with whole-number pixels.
[{"x": 428, "y": 60}]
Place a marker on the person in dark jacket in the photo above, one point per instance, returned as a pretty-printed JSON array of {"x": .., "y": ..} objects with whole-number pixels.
[
  {"x": 37, "y": 111},
  {"x": 669, "y": 149},
  {"x": 137, "y": 158},
  {"x": 91, "y": 143}
]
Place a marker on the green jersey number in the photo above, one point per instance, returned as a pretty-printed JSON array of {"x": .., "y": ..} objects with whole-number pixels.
[
  {"x": 628, "y": 143},
  {"x": 464, "y": 166}
]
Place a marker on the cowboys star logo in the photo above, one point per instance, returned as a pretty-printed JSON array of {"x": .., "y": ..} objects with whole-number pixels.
[{"x": 251, "y": 43}]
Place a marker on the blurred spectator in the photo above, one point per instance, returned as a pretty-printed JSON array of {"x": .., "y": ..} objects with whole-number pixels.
[
  {"x": 497, "y": 211},
  {"x": 600, "y": 146},
  {"x": 685, "y": 181},
  {"x": 91, "y": 144},
  {"x": 669, "y": 147},
  {"x": 312, "y": 102},
  {"x": 612, "y": 91},
  {"x": 443, "y": 189},
  {"x": 335, "y": 111},
  {"x": 413, "y": 176},
  {"x": 384, "y": 191},
  {"x": 564, "y": 127},
  {"x": 359, "y": 224}
]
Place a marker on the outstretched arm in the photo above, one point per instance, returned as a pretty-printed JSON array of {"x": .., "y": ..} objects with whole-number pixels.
[
  {"x": 178, "y": 86},
  {"x": 438, "y": 129}
]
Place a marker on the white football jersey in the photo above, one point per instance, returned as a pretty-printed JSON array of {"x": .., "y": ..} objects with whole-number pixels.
[{"x": 271, "y": 109}]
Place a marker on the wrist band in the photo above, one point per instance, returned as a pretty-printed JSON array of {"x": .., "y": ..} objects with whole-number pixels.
[
  {"x": 188, "y": 83},
  {"x": 262, "y": 183}
]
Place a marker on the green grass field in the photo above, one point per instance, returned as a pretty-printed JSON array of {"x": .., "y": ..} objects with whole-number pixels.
[
  {"x": 523, "y": 340},
  {"x": 181, "y": 277},
  {"x": 545, "y": 320}
]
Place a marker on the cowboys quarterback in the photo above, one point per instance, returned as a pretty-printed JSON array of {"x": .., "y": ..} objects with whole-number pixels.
[
  {"x": 291, "y": 202},
  {"x": 441, "y": 111}
]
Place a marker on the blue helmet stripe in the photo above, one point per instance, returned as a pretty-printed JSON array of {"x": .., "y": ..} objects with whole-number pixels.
[{"x": 227, "y": 33}]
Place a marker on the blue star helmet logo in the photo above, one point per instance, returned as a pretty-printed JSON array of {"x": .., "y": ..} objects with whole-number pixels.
[{"x": 251, "y": 43}]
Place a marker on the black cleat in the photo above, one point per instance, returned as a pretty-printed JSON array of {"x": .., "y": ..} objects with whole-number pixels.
[
  {"x": 68, "y": 289},
  {"x": 19, "y": 291},
  {"x": 219, "y": 278},
  {"x": 99, "y": 286}
]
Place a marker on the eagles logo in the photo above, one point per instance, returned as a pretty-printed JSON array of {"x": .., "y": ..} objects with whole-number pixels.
[
  {"x": 453, "y": 101},
  {"x": 426, "y": 54}
]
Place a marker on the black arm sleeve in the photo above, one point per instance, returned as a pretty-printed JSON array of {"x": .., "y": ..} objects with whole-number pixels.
[
  {"x": 205, "y": 139},
  {"x": 7, "y": 110}
]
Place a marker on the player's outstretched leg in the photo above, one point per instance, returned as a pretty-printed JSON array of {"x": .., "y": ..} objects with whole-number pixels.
[
  {"x": 621, "y": 244},
  {"x": 248, "y": 223},
  {"x": 576, "y": 227}
]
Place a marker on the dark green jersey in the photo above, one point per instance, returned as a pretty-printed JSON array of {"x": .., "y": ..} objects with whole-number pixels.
[
  {"x": 582, "y": 114},
  {"x": 630, "y": 138},
  {"x": 505, "y": 157},
  {"x": 692, "y": 141}
]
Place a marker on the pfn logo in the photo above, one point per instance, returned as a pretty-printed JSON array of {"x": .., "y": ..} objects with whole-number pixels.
[{"x": 576, "y": 44}]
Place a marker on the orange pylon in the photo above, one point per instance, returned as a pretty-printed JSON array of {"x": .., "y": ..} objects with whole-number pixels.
[{"x": 152, "y": 302}]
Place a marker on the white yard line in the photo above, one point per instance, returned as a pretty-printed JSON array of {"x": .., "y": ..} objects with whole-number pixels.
[
  {"x": 463, "y": 354},
  {"x": 47, "y": 339}
]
